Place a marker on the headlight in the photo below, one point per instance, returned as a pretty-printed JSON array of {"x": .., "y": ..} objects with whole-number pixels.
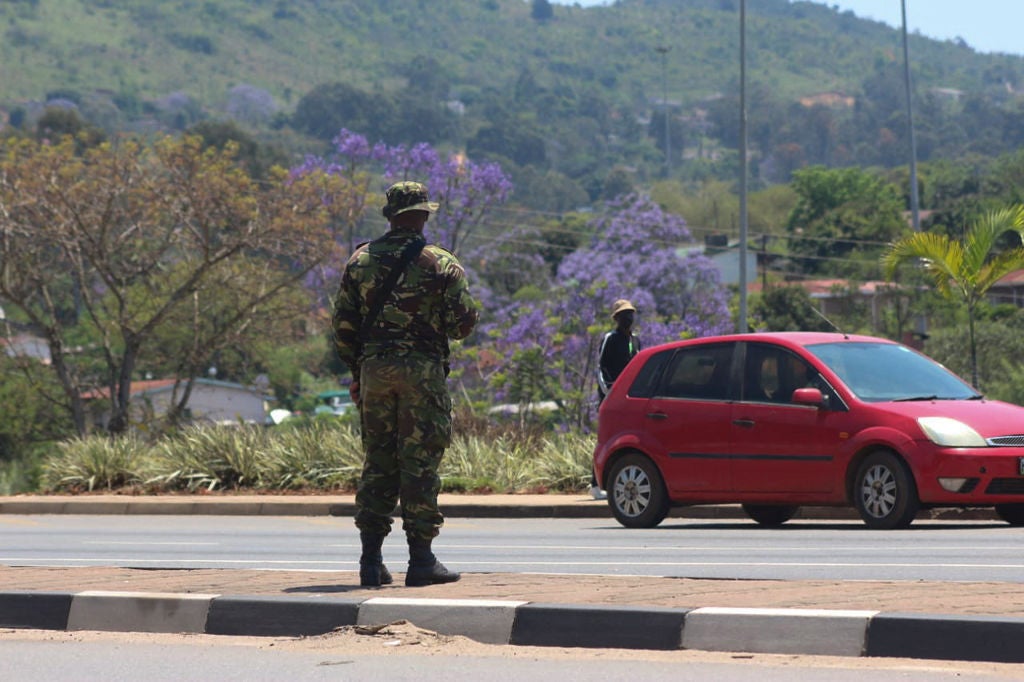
[{"x": 950, "y": 433}]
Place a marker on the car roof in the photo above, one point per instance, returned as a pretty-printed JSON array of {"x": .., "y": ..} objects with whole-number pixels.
[{"x": 782, "y": 338}]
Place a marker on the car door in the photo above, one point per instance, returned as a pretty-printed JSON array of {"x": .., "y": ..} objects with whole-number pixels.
[
  {"x": 689, "y": 417},
  {"x": 777, "y": 445}
]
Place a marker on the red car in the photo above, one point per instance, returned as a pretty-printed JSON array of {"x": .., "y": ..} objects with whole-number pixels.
[{"x": 777, "y": 420}]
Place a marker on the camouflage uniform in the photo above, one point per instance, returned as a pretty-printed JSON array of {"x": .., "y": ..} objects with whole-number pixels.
[{"x": 402, "y": 365}]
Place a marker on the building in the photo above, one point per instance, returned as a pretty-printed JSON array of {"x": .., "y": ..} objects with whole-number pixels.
[
  {"x": 834, "y": 296},
  {"x": 1010, "y": 289},
  {"x": 211, "y": 401}
]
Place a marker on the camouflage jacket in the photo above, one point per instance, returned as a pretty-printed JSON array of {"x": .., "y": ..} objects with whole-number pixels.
[{"x": 430, "y": 303}]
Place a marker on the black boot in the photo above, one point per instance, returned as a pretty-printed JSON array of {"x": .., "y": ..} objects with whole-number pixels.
[
  {"x": 424, "y": 568},
  {"x": 372, "y": 571}
]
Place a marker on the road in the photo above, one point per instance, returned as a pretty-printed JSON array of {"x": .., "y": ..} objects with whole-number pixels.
[
  {"x": 127, "y": 657},
  {"x": 803, "y": 550}
]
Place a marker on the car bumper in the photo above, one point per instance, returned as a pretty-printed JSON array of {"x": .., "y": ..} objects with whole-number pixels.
[{"x": 973, "y": 476}]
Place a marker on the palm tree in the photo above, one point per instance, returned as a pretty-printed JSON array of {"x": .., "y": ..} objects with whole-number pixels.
[{"x": 964, "y": 270}]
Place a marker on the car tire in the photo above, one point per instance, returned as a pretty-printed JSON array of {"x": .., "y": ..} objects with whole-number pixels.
[
  {"x": 1013, "y": 514},
  {"x": 884, "y": 492},
  {"x": 636, "y": 492},
  {"x": 770, "y": 514}
]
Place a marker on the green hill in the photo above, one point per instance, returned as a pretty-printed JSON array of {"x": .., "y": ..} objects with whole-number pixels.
[{"x": 569, "y": 90}]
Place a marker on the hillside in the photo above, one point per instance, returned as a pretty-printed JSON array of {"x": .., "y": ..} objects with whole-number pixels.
[
  {"x": 152, "y": 49},
  {"x": 571, "y": 90}
]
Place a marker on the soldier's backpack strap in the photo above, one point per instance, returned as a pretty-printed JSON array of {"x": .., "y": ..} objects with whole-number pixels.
[{"x": 411, "y": 251}]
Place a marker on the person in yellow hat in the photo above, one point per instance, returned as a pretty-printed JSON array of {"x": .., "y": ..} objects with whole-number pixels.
[{"x": 617, "y": 348}]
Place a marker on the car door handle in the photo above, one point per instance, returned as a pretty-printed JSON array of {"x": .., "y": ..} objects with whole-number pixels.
[
  {"x": 657, "y": 415},
  {"x": 744, "y": 423}
]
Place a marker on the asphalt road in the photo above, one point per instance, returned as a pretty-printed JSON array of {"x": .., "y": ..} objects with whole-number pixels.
[
  {"x": 801, "y": 550},
  {"x": 127, "y": 657}
]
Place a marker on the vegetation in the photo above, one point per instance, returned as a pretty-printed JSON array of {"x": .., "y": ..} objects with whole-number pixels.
[
  {"x": 562, "y": 96},
  {"x": 181, "y": 183},
  {"x": 966, "y": 271},
  {"x": 321, "y": 455}
]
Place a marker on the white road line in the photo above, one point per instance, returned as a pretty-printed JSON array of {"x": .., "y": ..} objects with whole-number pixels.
[
  {"x": 174, "y": 544},
  {"x": 634, "y": 564}
]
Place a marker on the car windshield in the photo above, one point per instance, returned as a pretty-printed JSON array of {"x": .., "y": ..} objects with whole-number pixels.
[{"x": 878, "y": 372}]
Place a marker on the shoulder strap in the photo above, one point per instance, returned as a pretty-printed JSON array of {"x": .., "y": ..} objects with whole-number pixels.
[{"x": 411, "y": 251}]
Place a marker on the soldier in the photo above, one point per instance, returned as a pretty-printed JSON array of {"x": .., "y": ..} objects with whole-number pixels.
[{"x": 399, "y": 302}]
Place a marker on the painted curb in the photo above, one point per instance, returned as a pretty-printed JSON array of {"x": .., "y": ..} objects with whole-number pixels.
[
  {"x": 954, "y": 638},
  {"x": 279, "y": 616},
  {"x": 596, "y": 627},
  {"x": 779, "y": 631},
  {"x": 569, "y": 509},
  {"x": 139, "y": 611},
  {"x": 36, "y": 610},
  {"x": 487, "y": 621}
]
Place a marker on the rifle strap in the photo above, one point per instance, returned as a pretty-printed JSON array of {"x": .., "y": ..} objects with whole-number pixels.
[{"x": 411, "y": 251}]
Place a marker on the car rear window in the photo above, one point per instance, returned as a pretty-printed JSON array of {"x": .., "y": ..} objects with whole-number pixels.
[
  {"x": 646, "y": 382},
  {"x": 698, "y": 372}
]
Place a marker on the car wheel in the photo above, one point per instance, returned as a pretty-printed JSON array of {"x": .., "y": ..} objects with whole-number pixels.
[
  {"x": 884, "y": 492},
  {"x": 770, "y": 514},
  {"x": 1013, "y": 514},
  {"x": 637, "y": 493}
]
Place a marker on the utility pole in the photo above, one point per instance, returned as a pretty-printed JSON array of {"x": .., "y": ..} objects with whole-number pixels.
[
  {"x": 742, "y": 326},
  {"x": 915, "y": 214},
  {"x": 663, "y": 51},
  {"x": 914, "y": 209}
]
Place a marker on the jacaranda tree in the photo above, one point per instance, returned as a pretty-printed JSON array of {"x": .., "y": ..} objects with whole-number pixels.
[
  {"x": 636, "y": 253},
  {"x": 539, "y": 334}
]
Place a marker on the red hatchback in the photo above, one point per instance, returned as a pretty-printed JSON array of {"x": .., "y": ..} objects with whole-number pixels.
[{"x": 777, "y": 420}]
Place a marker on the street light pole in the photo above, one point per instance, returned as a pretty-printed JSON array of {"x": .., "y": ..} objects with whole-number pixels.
[
  {"x": 663, "y": 50},
  {"x": 914, "y": 208},
  {"x": 742, "y": 322}
]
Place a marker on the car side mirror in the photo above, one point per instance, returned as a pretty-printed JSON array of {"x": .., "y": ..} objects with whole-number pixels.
[{"x": 808, "y": 396}]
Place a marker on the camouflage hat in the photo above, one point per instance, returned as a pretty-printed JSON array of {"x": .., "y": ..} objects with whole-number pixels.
[
  {"x": 621, "y": 305},
  {"x": 407, "y": 196}
]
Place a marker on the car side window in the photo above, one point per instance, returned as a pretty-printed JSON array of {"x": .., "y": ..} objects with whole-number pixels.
[
  {"x": 700, "y": 372},
  {"x": 646, "y": 382},
  {"x": 771, "y": 374}
]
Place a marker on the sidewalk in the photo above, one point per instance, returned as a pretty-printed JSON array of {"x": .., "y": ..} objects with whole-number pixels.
[{"x": 957, "y": 621}]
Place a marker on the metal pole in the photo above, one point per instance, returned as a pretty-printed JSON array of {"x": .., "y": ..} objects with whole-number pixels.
[
  {"x": 663, "y": 50},
  {"x": 742, "y": 326},
  {"x": 915, "y": 215},
  {"x": 914, "y": 209}
]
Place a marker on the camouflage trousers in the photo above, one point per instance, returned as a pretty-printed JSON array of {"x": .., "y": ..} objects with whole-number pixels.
[{"x": 406, "y": 418}]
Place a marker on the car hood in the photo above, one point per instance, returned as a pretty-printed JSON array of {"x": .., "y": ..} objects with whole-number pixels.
[{"x": 988, "y": 417}]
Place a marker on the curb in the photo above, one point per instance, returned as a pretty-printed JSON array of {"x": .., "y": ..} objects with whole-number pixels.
[
  {"x": 782, "y": 631},
  {"x": 452, "y": 507}
]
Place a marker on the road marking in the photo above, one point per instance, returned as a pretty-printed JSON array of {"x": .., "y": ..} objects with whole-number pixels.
[
  {"x": 42, "y": 561},
  {"x": 174, "y": 544}
]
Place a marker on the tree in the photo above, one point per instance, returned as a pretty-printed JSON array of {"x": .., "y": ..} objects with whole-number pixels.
[
  {"x": 542, "y": 10},
  {"x": 840, "y": 215},
  {"x": 788, "y": 309},
  {"x": 544, "y": 347},
  {"x": 965, "y": 270},
  {"x": 465, "y": 190},
  {"x": 110, "y": 245}
]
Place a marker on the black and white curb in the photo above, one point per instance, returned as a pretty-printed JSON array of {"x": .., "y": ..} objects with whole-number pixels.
[{"x": 782, "y": 631}]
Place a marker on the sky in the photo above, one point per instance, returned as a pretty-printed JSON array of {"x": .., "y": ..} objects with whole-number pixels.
[{"x": 985, "y": 25}]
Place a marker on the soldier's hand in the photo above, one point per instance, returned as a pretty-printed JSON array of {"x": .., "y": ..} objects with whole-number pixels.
[{"x": 353, "y": 390}]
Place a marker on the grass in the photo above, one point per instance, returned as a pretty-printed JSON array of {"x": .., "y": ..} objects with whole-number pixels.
[{"x": 321, "y": 455}]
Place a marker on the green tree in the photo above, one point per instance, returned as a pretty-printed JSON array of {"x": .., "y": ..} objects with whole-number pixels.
[
  {"x": 542, "y": 10},
  {"x": 788, "y": 309},
  {"x": 111, "y": 244},
  {"x": 965, "y": 271},
  {"x": 841, "y": 215}
]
